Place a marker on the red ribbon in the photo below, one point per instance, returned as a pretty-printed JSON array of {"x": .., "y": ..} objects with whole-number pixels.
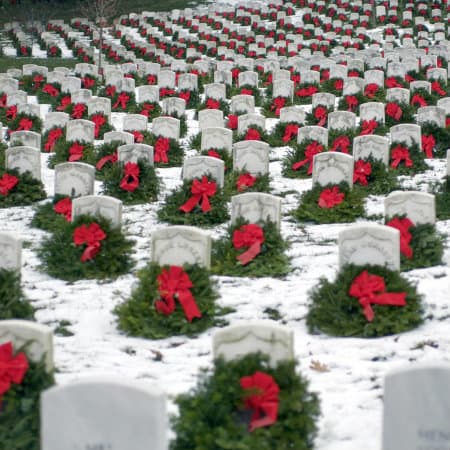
[
  {"x": 212, "y": 104},
  {"x": 251, "y": 237},
  {"x": 368, "y": 127},
  {"x": 185, "y": 95},
  {"x": 64, "y": 206},
  {"x": 371, "y": 90},
  {"x": 12, "y": 368},
  {"x": 138, "y": 136},
  {"x": 232, "y": 122},
  {"x": 90, "y": 235},
  {"x": 11, "y": 112},
  {"x": 164, "y": 92},
  {"x": 78, "y": 111},
  {"x": 3, "y": 101},
  {"x": 7, "y": 182},
  {"x": 64, "y": 103},
  {"x": 436, "y": 87},
  {"x": 352, "y": 102},
  {"x": 50, "y": 90},
  {"x": 262, "y": 397},
  {"x": 339, "y": 84},
  {"x": 306, "y": 91},
  {"x": 122, "y": 100},
  {"x": 113, "y": 158},
  {"x": 162, "y": 147},
  {"x": 277, "y": 104},
  {"x": 329, "y": 198},
  {"x": 174, "y": 284},
  {"x": 130, "y": 180},
  {"x": 393, "y": 110},
  {"x": 400, "y": 154},
  {"x": 151, "y": 79},
  {"x": 362, "y": 170},
  {"x": 252, "y": 135},
  {"x": 403, "y": 225},
  {"x": 290, "y": 132},
  {"x": 37, "y": 80},
  {"x": 87, "y": 82},
  {"x": 370, "y": 290},
  {"x": 245, "y": 91},
  {"x": 392, "y": 82},
  {"x": 76, "y": 152},
  {"x": 110, "y": 91},
  {"x": 147, "y": 108},
  {"x": 99, "y": 120},
  {"x": 428, "y": 143},
  {"x": 53, "y": 136},
  {"x": 311, "y": 150},
  {"x": 341, "y": 144},
  {"x": 419, "y": 100},
  {"x": 201, "y": 191},
  {"x": 25, "y": 124},
  {"x": 321, "y": 114},
  {"x": 245, "y": 181}
]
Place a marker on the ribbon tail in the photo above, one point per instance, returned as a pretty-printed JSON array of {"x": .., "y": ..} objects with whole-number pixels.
[
  {"x": 206, "y": 206},
  {"x": 90, "y": 252},
  {"x": 299, "y": 164},
  {"x": 271, "y": 411},
  {"x": 322, "y": 121},
  {"x": 368, "y": 313},
  {"x": 395, "y": 163},
  {"x": 190, "y": 204},
  {"x": 391, "y": 298},
  {"x": 250, "y": 254},
  {"x": 189, "y": 306},
  {"x": 165, "y": 306},
  {"x": 76, "y": 157},
  {"x": 103, "y": 161}
]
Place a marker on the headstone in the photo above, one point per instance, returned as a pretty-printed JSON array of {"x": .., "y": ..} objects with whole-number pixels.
[
  {"x": 370, "y": 244},
  {"x": 246, "y": 121},
  {"x": 8, "y": 86},
  {"x": 197, "y": 166},
  {"x": 98, "y": 206},
  {"x": 119, "y": 136},
  {"x": 168, "y": 127},
  {"x": 323, "y": 98},
  {"x": 341, "y": 120},
  {"x": 445, "y": 104},
  {"x": 134, "y": 122},
  {"x": 256, "y": 207},
  {"x": 420, "y": 84},
  {"x": 372, "y": 111},
  {"x": 406, "y": 132},
  {"x": 373, "y": 146},
  {"x": 419, "y": 207},
  {"x": 352, "y": 86},
  {"x": 283, "y": 88},
  {"x": 26, "y": 138},
  {"x": 210, "y": 118},
  {"x": 313, "y": 133},
  {"x": 80, "y": 130},
  {"x": 217, "y": 138},
  {"x": 179, "y": 245},
  {"x": 251, "y": 156},
  {"x": 24, "y": 159},
  {"x": 332, "y": 168},
  {"x": 173, "y": 105},
  {"x": 215, "y": 91},
  {"x": 243, "y": 104},
  {"x": 400, "y": 95},
  {"x": 29, "y": 109},
  {"x": 100, "y": 105},
  {"x": 10, "y": 252},
  {"x": 431, "y": 114},
  {"x": 56, "y": 119},
  {"x": 16, "y": 98},
  {"x": 81, "y": 96},
  {"x": 74, "y": 179},
  {"x": 70, "y": 84},
  {"x": 134, "y": 153},
  {"x": 293, "y": 114},
  {"x": 147, "y": 94}
]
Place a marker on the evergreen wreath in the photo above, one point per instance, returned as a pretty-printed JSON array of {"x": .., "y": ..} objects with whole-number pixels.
[
  {"x": 311, "y": 117},
  {"x": 170, "y": 211},
  {"x": 333, "y": 86},
  {"x": 45, "y": 217},
  {"x": 149, "y": 109},
  {"x": 248, "y": 90},
  {"x": 28, "y": 190},
  {"x": 106, "y": 157},
  {"x": 138, "y": 315},
  {"x": 175, "y": 154},
  {"x": 13, "y": 303},
  {"x": 49, "y": 94},
  {"x": 208, "y": 103},
  {"x": 148, "y": 188},
  {"x": 3, "y": 148},
  {"x": 263, "y": 134},
  {"x": 406, "y": 116},
  {"x": 381, "y": 180},
  {"x": 261, "y": 184},
  {"x": 277, "y": 137},
  {"x": 334, "y": 312},
  {"x": 309, "y": 89},
  {"x": 441, "y": 137},
  {"x": 271, "y": 262},
  {"x": 102, "y": 129},
  {"x": 212, "y": 415},
  {"x": 430, "y": 99},
  {"x": 48, "y": 142},
  {"x": 344, "y": 102},
  {"x": 61, "y": 258},
  {"x": 195, "y": 141},
  {"x": 348, "y": 211},
  {"x": 416, "y": 155},
  {"x": 62, "y": 153},
  {"x": 442, "y": 198},
  {"x": 20, "y": 412},
  {"x": 337, "y": 133},
  {"x": 15, "y": 124},
  {"x": 192, "y": 98},
  {"x": 296, "y": 154}
]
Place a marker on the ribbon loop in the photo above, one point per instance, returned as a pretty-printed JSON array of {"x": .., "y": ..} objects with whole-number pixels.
[
  {"x": 250, "y": 236},
  {"x": 201, "y": 191},
  {"x": 130, "y": 180},
  {"x": 90, "y": 235}
]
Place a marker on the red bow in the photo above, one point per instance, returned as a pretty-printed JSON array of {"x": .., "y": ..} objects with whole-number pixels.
[
  {"x": 251, "y": 236},
  {"x": 185, "y": 95},
  {"x": 122, "y": 100},
  {"x": 138, "y": 136},
  {"x": 232, "y": 122},
  {"x": 25, "y": 124},
  {"x": 53, "y": 136},
  {"x": 64, "y": 103},
  {"x": 428, "y": 143},
  {"x": 64, "y": 206},
  {"x": 436, "y": 87},
  {"x": 108, "y": 158},
  {"x": 393, "y": 110},
  {"x": 403, "y": 225},
  {"x": 212, "y": 103},
  {"x": 76, "y": 152},
  {"x": 342, "y": 144},
  {"x": 252, "y": 135},
  {"x": 311, "y": 150},
  {"x": 419, "y": 100},
  {"x": 151, "y": 79},
  {"x": 7, "y": 182},
  {"x": 391, "y": 82},
  {"x": 277, "y": 104},
  {"x": 245, "y": 91},
  {"x": 78, "y": 110},
  {"x": 321, "y": 114},
  {"x": 99, "y": 120},
  {"x": 37, "y": 80},
  {"x": 201, "y": 191},
  {"x": 147, "y": 108},
  {"x": 262, "y": 397},
  {"x": 3, "y": 101},
  {"x": 162, "y": 146},
  {"x": 339, "y": 84},
  {"x": 110, "y": 91},
  {"x": 90, "y": 235},
  {"x": 245, "y": 181},
  {"x": 50, "y": 90},
  {"x": 174, "y": 283},
  {"x": 362, "y": 171},
  {"x": 329, "y": 198},
  {"x": 12, "y": 368},
  {"x": 290, "y": 132},
  {"x": 352, "y": 102},
  {"x": 400, "y": 154},
  {"x": 370, "y": 290},
  {"x": 306, "y": 91},
  {"x": 370, "y": 90},
  {"x": 368, "y": 127},
  {"x": 11, "y": 112},
  {"x": 164, "y": 92},
  {"x": 87, "y": 82},
  {"x": 130, "y": 180}
]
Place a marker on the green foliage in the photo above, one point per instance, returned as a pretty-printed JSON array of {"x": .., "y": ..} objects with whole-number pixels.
[
  {"x": 212, "y": 415},
  {"x": 225, "y": 156},
  {"x": 442, "y": 197},
  {"x": 27, "y": 191},
  {"x": 407, "y": 115},
  {"x": 333, "y": 311},
  {"x": 294, "y": 155},
  {"x": 417, "y": 157},
  {"x": 14, "y": 124},
  {"x": 3, "y": 147},
  {"x": 241, "y": 137},
  {"x": 350, "y": 209},
  {"x": 175, "y": 155},
  {"x": 271, "y": 262},
  {"x": 139, "y": 317},
  {"x": 61, "y": 153},
  {"x": 441, "y": 136},
  {"x": 148, "y": 184},
  {"x": 61, "y": 258},
  {"x": 20, "y": 414},
  {"x": 45, "y": 217},
  {"x": 195, "y": 141},
  {"x": 262, "y": 183},
  {"x": 170, "y": 211},
  {"x": 13, "y": 303},
  {"x": 381, "y": 180}
]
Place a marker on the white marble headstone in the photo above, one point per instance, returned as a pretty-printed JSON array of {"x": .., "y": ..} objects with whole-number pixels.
[
  {"x": 332, "y": 168},
  {"x": 98, "y": 206},
  {"x": 74, "y": 179},
  {"x": 419, "y": 207},
  {"x": 24, "y": 159},
  {"x": 251, "y": 156},
  {"x": 256, "y": 207},
  {"x": 197, "y": 166},
  {"x": 135, "y": 152},
  {"x": 10, "y": 252}
]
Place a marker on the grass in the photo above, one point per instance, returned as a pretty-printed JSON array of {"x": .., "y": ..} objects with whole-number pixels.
[{"x": 7, "y": 62}]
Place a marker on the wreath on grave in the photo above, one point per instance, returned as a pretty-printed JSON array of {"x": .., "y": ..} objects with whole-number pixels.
[
  {"x": 25, "y": 122},
  {"x": 351, "y": 102},
  {"x": 330, "y": 204},
  {"x": 251, "y": 250},
  {"x": 198, "y": 202},
  {"x": 13, "y": 303},
  {"x": 298, "y": 162},
  {"x": 24, "y": 51},
  {"x": 333, "y": 86},
  {"x": 18, "y": 189},
  {"x": 51, "y": 137},
  {"x": 85, "y": 249},
  {"x": 20, "y": 400},
  {"x": 441, "y": 192},
  {"x": 339, "y": 308},
  {"x": 133, "y": 183},
  {"x": 435, "y": 140},
  {"x": 252, "y": 133},
  {"x": 167, "y": 151},
  {"x": 75, "y": 110},
  {"x": 241, "y": 181},
  {"x": 73, "y": 151},
  {"x": 120, "y": 101},
  {"x": 211, "y": 103},
  {"x": 374, "y": 93},
  {"x": 152, "y": 311},
  {"x": 53, "y": 214},
  {"x": 420, "y": 98},
  {"x": 165, "y": 92},
  {"x": 319, "y": 115},
  {"x": 106, "y": 156},
  {"x": 32, "y": 83},
  {"x": 438, "y": 90},
  {"x": 101, "y": 123},
  {"x": 398, "y": 112},
  {"x": 53, "y": 51},
  {"x": 247, "y": 89},
  {"x": 341, "y": 140},
  {"x": 151, "y": 110},
  {"x": 373, "y": 177},
  {"x": 192, "y": 98},
  {"x": 395, "y": 82},
  {"x": 407, "y": 159},
  {"x": 372, "y": 126},
  {"x": 272, "y": 106},
  {"x": 89, "y": 82},
  {"x": 3, "y": 148},
  {"x": 233, "y": 395},
  {"x": 420, "y": 245},
  {"x": 303, "y": 93},
  {"x": 284, "y": 134},
  {"x": 220, "y": 153},
  {"x": 49, "y": 94}
]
